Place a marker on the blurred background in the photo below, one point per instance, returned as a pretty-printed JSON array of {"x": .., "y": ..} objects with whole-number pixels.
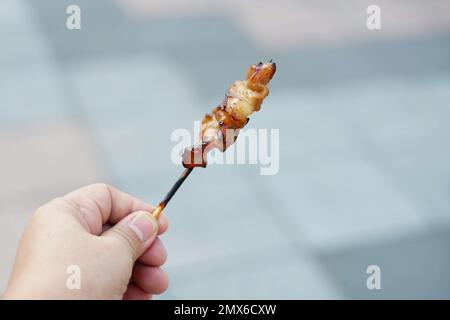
[{"x": 364, "y": 137}]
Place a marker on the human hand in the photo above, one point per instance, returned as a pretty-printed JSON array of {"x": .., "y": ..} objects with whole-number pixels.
[{"x": 109, "y": 235}]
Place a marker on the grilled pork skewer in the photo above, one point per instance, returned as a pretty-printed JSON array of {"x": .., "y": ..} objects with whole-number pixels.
[{"x": 220, "y": 129}]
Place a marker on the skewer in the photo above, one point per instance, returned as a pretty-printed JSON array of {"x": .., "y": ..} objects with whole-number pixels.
[
  {"x": 242, "y": 99},
  {"x": 159, "y": 209}
]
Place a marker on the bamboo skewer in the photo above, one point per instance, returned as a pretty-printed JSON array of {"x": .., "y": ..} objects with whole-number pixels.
[{"x": 159, "y": 209}]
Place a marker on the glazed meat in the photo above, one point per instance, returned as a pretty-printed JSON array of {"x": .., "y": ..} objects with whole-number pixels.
[{"x": 220, "y": 128}]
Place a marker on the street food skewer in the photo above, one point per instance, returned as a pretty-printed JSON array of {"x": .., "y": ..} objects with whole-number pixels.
[{"x": 220, "y": 128}]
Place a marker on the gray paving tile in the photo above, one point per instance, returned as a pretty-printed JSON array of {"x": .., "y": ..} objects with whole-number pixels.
[
  {"x": 299, "y": 23},
  {"x": 135, "y": 89},
  {"x": 30, "y": 84},
  {"x": 32, "y": 95},
  {"x": 139, "y": 157},
  {"x": 47, "y": 157},
  {"x": 412, "y": 267},
  {"x": 216, "y": 214},
  {"x": 22, "y": 42},
  {"x": 133, "y": 106},
  {"x": 280, "y": 273},
  {"x": 407, "y": 125},
  {"x": 52, "y": 15},
  {"x": 329, "y": 191},
  {"x": 203, "y": 52},
  {"x": 314, "y": 66},
  {"x": 391, "y": 108},
  {"x": 101, "y": 34}
]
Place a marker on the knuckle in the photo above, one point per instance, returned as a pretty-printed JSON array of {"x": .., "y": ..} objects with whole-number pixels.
[
  {"x": 51, "y": 208},
  {"x": 127, "y": 240},
  {"x": 164, "y": 283},
  {"x": 101, "y": 186},
  {"x": 161, "y": 257}
]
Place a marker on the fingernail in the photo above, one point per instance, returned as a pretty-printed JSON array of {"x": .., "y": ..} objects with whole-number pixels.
[{"x": 143, "y": 225}]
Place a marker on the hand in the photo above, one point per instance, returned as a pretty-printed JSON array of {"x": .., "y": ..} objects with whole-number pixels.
[{"x": 110, "y": 238}]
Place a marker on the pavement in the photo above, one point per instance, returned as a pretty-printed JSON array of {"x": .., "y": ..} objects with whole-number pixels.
[{"x": 363, "y": 116}]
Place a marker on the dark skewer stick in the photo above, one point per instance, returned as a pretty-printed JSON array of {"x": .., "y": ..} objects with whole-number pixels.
[{"x": 159, "y": 209}]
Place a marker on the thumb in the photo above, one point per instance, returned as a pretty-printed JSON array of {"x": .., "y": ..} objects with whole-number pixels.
[{"x": 136, "y": 232}]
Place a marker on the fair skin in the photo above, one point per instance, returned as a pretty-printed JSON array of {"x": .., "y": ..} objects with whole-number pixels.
[{"x": 111, "y": 236}]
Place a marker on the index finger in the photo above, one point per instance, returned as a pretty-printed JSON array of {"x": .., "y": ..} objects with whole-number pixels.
[{"x": 101, "y": 204}]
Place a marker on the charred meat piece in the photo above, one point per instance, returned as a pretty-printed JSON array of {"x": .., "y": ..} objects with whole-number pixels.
[{"x": 221, "y": 128}]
